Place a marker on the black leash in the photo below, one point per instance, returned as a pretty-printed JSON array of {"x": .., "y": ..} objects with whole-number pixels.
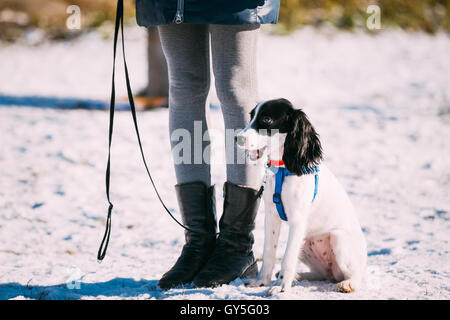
[{"x": 105, "y": 241}]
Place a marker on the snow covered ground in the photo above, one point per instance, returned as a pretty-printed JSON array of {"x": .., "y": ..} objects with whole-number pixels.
[{"x": 380, "y": 103}]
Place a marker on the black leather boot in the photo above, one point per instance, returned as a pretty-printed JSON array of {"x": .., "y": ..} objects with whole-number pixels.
[
  {"x": 197, "y": 207},
  {"x": 233, "y": 255}
]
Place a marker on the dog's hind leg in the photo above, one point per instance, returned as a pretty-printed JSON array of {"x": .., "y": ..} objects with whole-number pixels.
[{"x": 348, "y": 260}]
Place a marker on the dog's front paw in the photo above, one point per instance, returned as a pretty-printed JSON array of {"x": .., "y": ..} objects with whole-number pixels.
[
  {"x": 279, "y": 286},
  {"x": 256, "y": 282},
  {"x": 275, "y": 290}
]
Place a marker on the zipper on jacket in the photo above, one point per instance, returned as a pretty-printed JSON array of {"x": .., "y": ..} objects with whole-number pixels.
[{"x": 180, "y": 11}]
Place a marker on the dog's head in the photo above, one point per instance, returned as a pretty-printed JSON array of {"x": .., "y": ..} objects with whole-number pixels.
[{"x": 282, "y": 131}]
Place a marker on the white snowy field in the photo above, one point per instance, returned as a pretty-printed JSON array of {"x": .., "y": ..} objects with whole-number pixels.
[{"x": 380, "y": 103}]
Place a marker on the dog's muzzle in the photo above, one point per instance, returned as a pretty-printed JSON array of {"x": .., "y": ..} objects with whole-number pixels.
[{"x": 250, "y": 141}]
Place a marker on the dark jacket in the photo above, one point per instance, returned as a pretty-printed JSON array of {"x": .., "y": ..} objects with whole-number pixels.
[{"x": 158, "y": 12}]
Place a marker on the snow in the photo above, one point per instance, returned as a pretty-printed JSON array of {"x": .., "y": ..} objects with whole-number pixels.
[{"x": 380, "y": 103}]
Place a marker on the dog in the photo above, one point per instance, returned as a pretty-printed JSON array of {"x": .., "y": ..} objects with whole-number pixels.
[{"x": 324, "y": 232}]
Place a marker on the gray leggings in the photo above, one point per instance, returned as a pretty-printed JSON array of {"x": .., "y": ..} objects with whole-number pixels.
[{"x": 186, "y": 48}]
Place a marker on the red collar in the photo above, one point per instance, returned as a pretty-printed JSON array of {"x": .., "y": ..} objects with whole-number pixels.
[{"x": 275, "y": 163}]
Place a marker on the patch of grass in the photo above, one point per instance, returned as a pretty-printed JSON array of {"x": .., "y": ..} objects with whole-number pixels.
[{"x": 413, "y": 15}]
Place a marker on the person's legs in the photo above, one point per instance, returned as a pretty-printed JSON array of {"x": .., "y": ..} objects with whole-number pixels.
[
  {"x": 186, "y": 48},
  {"x": 234, "y": 65}
]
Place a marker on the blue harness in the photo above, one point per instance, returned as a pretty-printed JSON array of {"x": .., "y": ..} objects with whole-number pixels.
[{"x": 280, "y": 173}]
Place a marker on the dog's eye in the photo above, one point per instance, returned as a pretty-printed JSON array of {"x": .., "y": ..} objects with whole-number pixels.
[{"x": 266, "y": 120}]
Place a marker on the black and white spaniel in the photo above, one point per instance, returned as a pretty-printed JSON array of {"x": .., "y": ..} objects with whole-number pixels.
[{"x": 324, "y": 232}]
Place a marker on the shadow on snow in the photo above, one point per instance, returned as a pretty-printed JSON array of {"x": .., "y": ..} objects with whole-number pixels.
[{"x": 118, "y": 287}]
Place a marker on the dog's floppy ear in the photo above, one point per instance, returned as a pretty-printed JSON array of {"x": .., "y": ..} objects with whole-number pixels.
[{"x": 302, "y": 146}]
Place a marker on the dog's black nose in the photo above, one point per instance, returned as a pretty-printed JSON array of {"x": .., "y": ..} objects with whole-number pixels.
[{"x": 240, "y": 140}]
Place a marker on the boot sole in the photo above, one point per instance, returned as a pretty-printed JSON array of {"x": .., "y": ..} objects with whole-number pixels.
[{"x": 251, "y": 272}]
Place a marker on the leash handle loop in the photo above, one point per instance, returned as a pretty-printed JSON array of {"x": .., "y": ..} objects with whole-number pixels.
[{"x": 105, "y": 241}]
